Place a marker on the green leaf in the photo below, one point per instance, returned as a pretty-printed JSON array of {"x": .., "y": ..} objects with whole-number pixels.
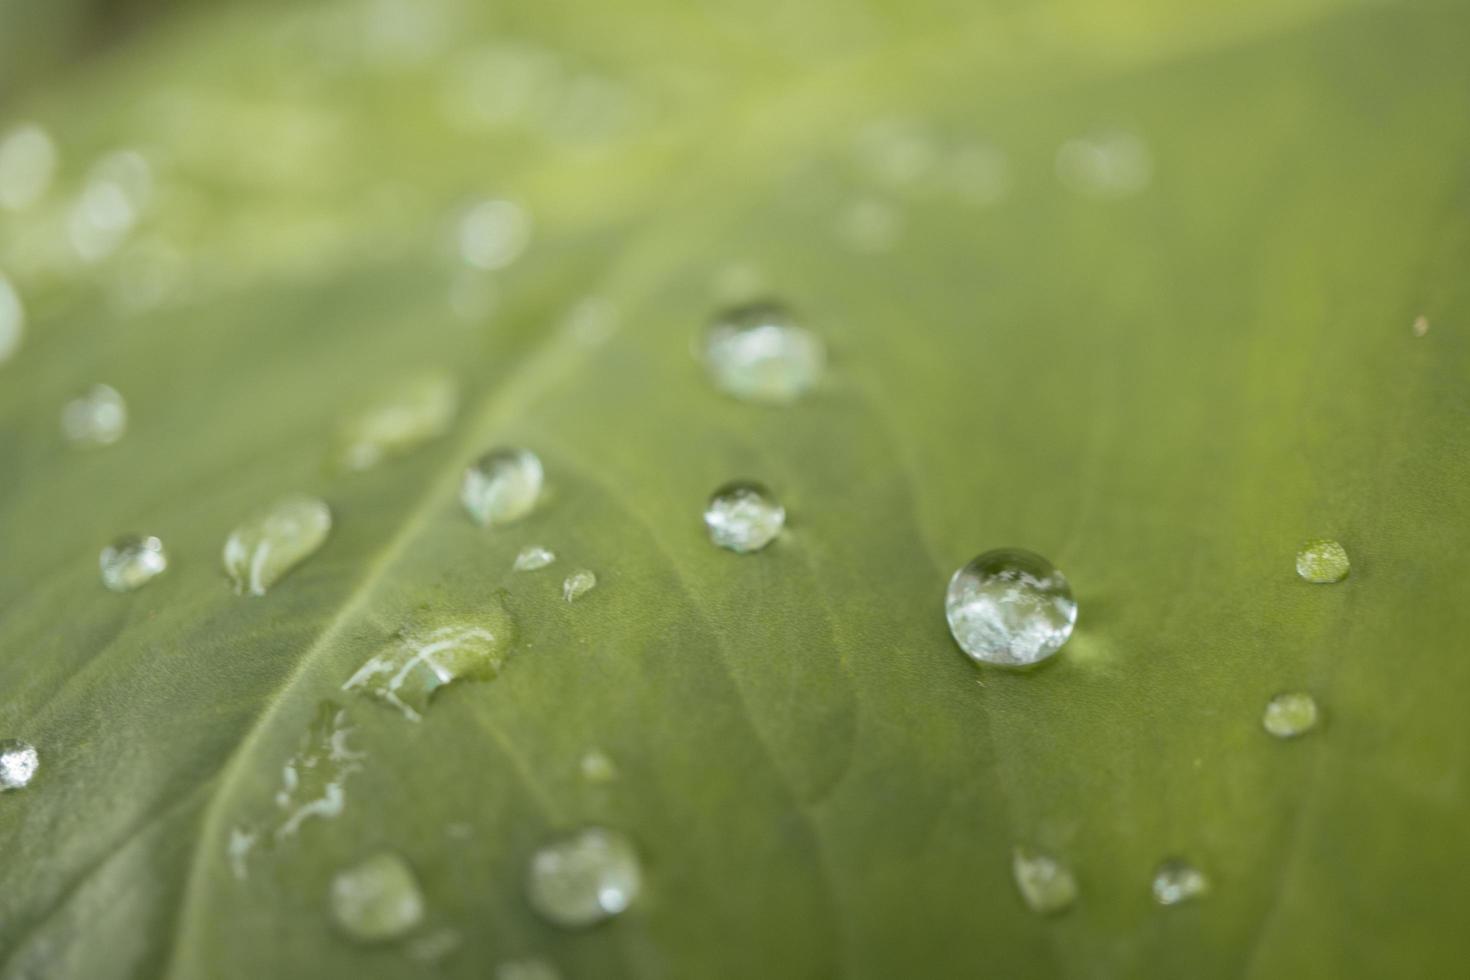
[{"x": 1164, "y": 392}]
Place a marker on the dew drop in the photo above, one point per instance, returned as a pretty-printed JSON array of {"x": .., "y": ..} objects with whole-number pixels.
[
  {"x": 533, "y": 558},
  {"x": 274, "y": 541},
  {"x": 27, "y": 166},
  {"x": 578, "y": 584},
  {"x": 409, "y": 671},
  {"x": 1322, "y": 561},
  {"x": 584, "y": 878},
  {"x": 757, "y": 353},
  {"x": 743, "y": 516},
  {"x": 1177, "y": 881},
  {"x": 378, "y": 899},
  {"x": 12, "y": 320},
  {"x": 420, "y": 409},
  {"x": 493, "y": 234},
  {"x": 1289, "y": 715},
  {"x": 1106, "y": 166},
  {"x": 502, "y": 486},
  {"x": 1046, "y": 885},
  {"x": 18, "y": 764},
  {"x": 528, "y": 969},
  {"x": 1010, "y": 607},
  {"x": 598, "y": 767},
  {"x": 314, "y": 778},
  {"x": 131, "y": 562},
  {"x": 97, "y": 418}
]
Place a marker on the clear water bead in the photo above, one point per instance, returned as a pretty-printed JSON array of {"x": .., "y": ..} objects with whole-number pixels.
[
  {"x": 18, "y": 764},
  {"x": 274, "y": 541},
  {"x": 12, "y": 320},
  {"x": 743, "y": 516},
  {"x": 1010, "y": 607},
  {"x": 97, "y": 418},
  {"x": 1289, "y": 715},
  {"x": 1046, "y": 885},
  {"x": 416, "y": 411},
  {"x": 1322, "y": 561},
  {"x": 757, "y": 353},
  {"x": 1177, "y": 881},
  {"x": 502, "y": 486},
  {"x": 578, "y": 584},
  {"x": 378, "y": 899},
  {"x": 408, "y": 672},
  {"x": 131, "y": 562},
  {"x": 533, "y": 558},
  {"x": 585, "y": 878}
]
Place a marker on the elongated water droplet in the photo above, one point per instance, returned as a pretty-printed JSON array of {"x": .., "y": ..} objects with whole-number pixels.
[
  {"x": 1322, "y": 561},
  {"x": 274, "y": 541},
  {"x": 1046, "y": 885},
  {"x": 131, "y": 562},
  {"x": 502, "y": 486},
  {"x": 12, "y": 320},
  {"x": 27, "y": 165},
  {"x": 409, "y": 671},
  {"x": 531, "y": 969},
  {"x": 757, "y": 353},
  {"x": 584, "y": 878},
  {"x": 743, "y": 516},
  {"x": 418, "y": 410},
  {"x": 1010, "y": 607},
  {"x": 18, "y": 764},
  {"x": 598, "y": 767},
  {"x": 578, "y": 584},
  {"x": 97, "y": 418},
  {"x": 533, "y": 558},
  {"x": 378, "y": 899},
  {"x": 1106, "y": 166},
  {"x": 493, "y": 234},
  {"x": 1177, "y": 881},
  {"x": 1289, "y": 715}
]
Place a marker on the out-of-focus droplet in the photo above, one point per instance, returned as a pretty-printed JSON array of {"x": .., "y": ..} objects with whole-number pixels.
[
  {"x": 502, "y": 486},
  {"x": 416, "y": 411},
  {"x": 1046, "y": 885},
  {"x": 1322, "y": 561},
  {"x": 758, "y": 353},
  {"x": 743, "y": 516},
  {"x": 1290, "y": 715},
  {"x": 12, "y": 320},
  {"x": 1177, "y": 881},
  {"x": 1010, "y": 607},
  {"x": 408, "y": 672},
  {"x": 578, "y": 584},
  {"x": 598, "y": 767},
  {"x": 870, "y": 225},
  {"x": 117, "y": 191},
  {"x": 378, "y": 899},
  {"x": 584, "y": 878},
  {"x": 97, "y": 418},
  {"x": 1106, "y": 165},
  {"x": 131, "y": 562},
  {"x": 896, "y": 152},
  {"x": 18, "y": 764},
  {"x": 27, "y": 166},
  {"x": 493, "y": 234},
  {"x": 1421, "y": 326},
  {"x": 533, "y": 558},
  {"x": 275, "y": 540}
]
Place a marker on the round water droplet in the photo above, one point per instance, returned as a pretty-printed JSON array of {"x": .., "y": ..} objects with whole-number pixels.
[
  {"x": 18, "y": 764},
  {"x": 1046, "y": 885},
  {"x": 378, "y": 899},
  {"x": 1177, "y": 881},
  {"x": 502, "y": 486},
  {"x": 1322, "y": 561},
  {"x": 97, "y": 418},
  {"x": 585, "y": 878},
  {"x": 533, "y": 558},
  {"x": 743, "y": 516},
  {"x": 578, "y": 584},
  {"x": 12, "y": 320},
  {"x": 27, "y": 166},
  {"x": 493, "y": 234},
  {"x": 272, "y": 542},
  {"x": 758, "y": 354},
  {"x": 131, "y": 562},
  {"x": 1010, "y": 607},
  {"x": 1289, "y": 715}
]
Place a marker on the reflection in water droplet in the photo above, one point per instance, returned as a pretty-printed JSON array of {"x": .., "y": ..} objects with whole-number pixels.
[
  {"x": 1322, "y": 561},
  {"x": 378, "y": 899},
  {"x": 758, "y": 354},
  {"x": 502, "y": 486},
  {"x": 870, "y": 225},
  {"x": 274, "y": 541},
  {"x": 534, "y": 557},
  {"x": 1046, "y": 885},
  {"x": 27, "y": 165},
  {"x": 493, "y": 234},
  {"x": 1177, "y": 881},
  {"x": 1289, "y": 715},
  {"x": 416, "y": 411},
  {"x": 578, "y": 584},
  {"x": 97, "y": 418},
  {"x": 743, "y": 516},
  {"x": 12, "y": 320},
  {"x": 407, "y": 672},
  {"x": 1106, "y": 166},
  {"x": 1010, "y": 607},
  {"x": 18, "y": 764},
  {"x": 598, "y": 767},
  {"x": 131, "y": 562},
  {"x": 585, "y": 878},
  {"x": 531, "y": 969}
]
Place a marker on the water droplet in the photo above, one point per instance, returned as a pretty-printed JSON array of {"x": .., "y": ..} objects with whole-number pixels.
[
  {"x": 598, "y": 767},
  {"x": 531, "y": 969},
  {"x": 237, "y": 851},
  {"x": 27, "y": 165},
  {"x": 502, "y": 486},
  {"x": 314, "y": 779},
  {"x": 743, "y": 516},
  {"x": 533, "y": 558},
  {"x": 1322, "y": 561},
  {"x": 584, "y": 878},
  {"x": 117, "y": 190},
  {"x": 1106, "y": 165},
  {"x": 1421, "y": 326},
  {"x": 409, "y": 671},
  {"x": 493, "y": 234},
  {"x": 274, "y": 541},
  {"x": 870, "y": 225},
  {"x": 378, "y": 899},
  {"x": 12, "y": 320},
  {"x": 1177, "y": 881},
  {"x": 578, "y": 584},
  {"x": 131, "y": 562},
  {"x": 1010, "y": 607},
  {"x": 1044, "y": 882},
  {"x": 1289, "y": 715},
  {"x": 758, "y": 354},
  {"x": 18, "y": 764},
  {"x": 420, "y": 409},
  {"x": 97, "y": 418}
]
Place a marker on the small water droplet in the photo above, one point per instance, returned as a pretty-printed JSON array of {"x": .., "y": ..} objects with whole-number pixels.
[
  {"x": 598, "y": 767},
  {"x": 97, "y": 418},
  {"x": 493, "y": 234},
  {"x": 757, "y": 353},
  {"x": 529, "y": 969},
  {"x": 534, "y": 557},
  {"x": 18, "y": 764},
  {"x": 1046, "y": 885},
  {"x": 378, "y": 899},
  {"x": 117, "y": 191},
  {"x": 1106, "y": 166},
  {"x": 274, "y": 541},
  {"x": 578, "y": 584},
  {"x": 12, "y": 320},
  {"x": 27, "y": 165},
  {"x": 409, "y": 671},
  {"x": 1322, "y": 561},
  {"x": 743, "y": 516},
  {"x": 1289, "y": 715},
  {"x": 502, "y": 486},
  {"x": 131, "y": 562},
  {"x": 418, "y": 410},
  {"x": 1421, "y": 326},
  {"x": 1177, "y": 881},
  {"x": 1010, "y": 607},
  {"x": 584, "y": 878}
]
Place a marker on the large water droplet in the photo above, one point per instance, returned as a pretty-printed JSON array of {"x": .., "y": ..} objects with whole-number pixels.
[
  {"x": 407, "y": 672},
  {"x": 27, "y": 165},
  {"x": 1107, "y": 165},
  {"x": 1289, "y": 715},
  {"x": 578, "y": 584},
  {"x": 131, "y": 562},
  {"x": 12, "y": 320},
  {"x": 1177, "y": 881},
  {"x": 502, "y": 486},
  {"x": 743, "y": 516},
  {"x": 378, "y": 899},
  {"x": 585, "y": 878},
  {"x": 531, "y": 969},
  {"x": 757, "y": 353},
  {"x": 1322, "y": 561},
  {"x": 493, "y": 234},
  {"x": 418, "y": 410},
  {"x": 97, "y": 418},
  {"x": 274, "y": 541},
  {"x": 533, "y": 557},
  {"x": 18, "y": 764},
  {"x": 1045, "y": 883},
  {"x": 1010, "y": 607}
]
